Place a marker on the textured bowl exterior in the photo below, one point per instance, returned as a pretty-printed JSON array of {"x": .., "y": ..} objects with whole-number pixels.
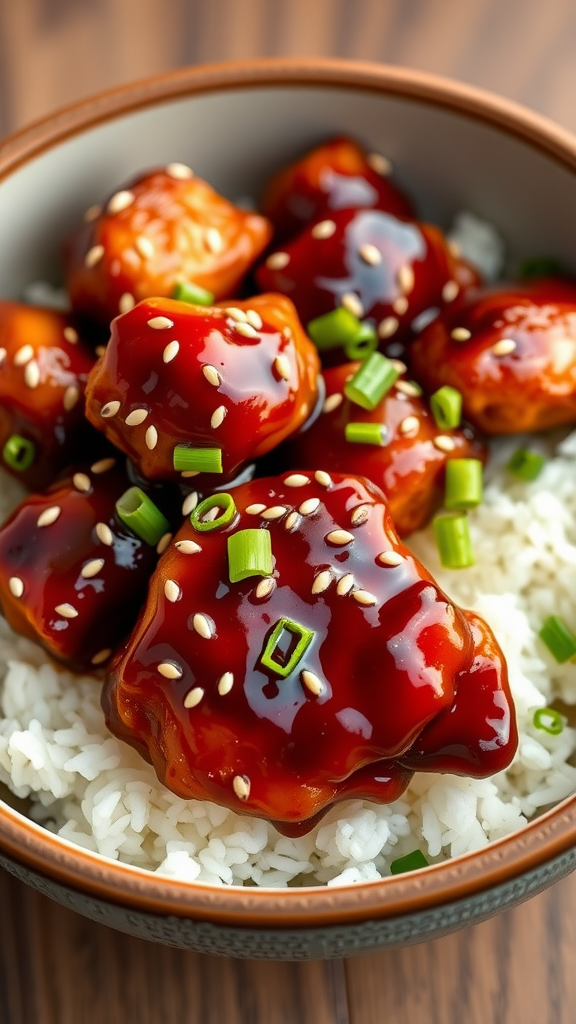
[{"x": 438, "y": 132}]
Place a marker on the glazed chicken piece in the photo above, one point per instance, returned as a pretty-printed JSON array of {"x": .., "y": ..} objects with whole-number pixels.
[
  {"x": 159, "y": 229},
  {"x": 194, "y": 392},
  {"x": 292, "y": 653},
  {"x": 511, "y": 352},
  {"x": 337, "y": 175},
  {"x": 406, "y": 458},
  {"x": 44, "y": 366}
]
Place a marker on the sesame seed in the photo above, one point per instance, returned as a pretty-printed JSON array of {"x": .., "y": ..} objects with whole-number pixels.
[
  {"x": 370, "y": 254},
  {"x": 92, "y": 213},
  {"x": 179, "y": 171},
  {"x": 246, "y": 330},
  {"x": 193, "y": 697},
  {"x": 503, "y": 347},
  {"x": 322, "y": 581},
  {"x": 275, "y": 512},
  {"x": 282, "y": 367},
  {"x": 351, "y": 302},
  {"x": 410, "y": 425},
  {"x": 100, "y": 350},
  {"x": 48, "y": 516},
  {"x": 323, "y": 229},
  {"x": 406, "y": 278},
  {"x": 144, "y": 247},
  {"x": 387, "y": 327},
  {"x": 380, "y": 164},
  {"x": 255, "y": 510},
  {"x": 238, "y": 315},
  {"x": 332, "y": 402},
  {"x": 339, "y": 537},
  {"x": 189, "y": 503},
  {"x": 203, "y": 625},
  {"x": 218, "y": 416},
  {"x": 70, "y": 397},
  {"x": 360, "y": 515},
  {"x": 345, "y": 584},
  {"x": 312, "y": 682},
  {"x": 92, "y": 568},
  {"x": 70, "y": 335},
  {"x": 212, "y": 376},
  {"x": 400, "y": 305},
  {"x": 81, "y": 482},
  {"x": 265, "y": 587},
  {"x": 103, "y": 466},
  {"x": 163, "y": 543},
  {"x": 408, "y": 387},
  {"x": 32, "y": 374},
  {"x": 67, "y": 611},
  {"x": 170, "y": 670},
  {"x": 296, "y": 480},
  {"x": 214, "y": 241},
  {"x": 16, "y": 586},
  {"x": 120, "y": 201},
  {"x": 444, "y": 443},
  {"x": 23, "y": 355},
  {"x": 109, "y": 410},
  {"x": 450, "y": 291},
  {"x": 292, "y": 521},
  {"x": 172, "y": 591},
  {"x": 101, "y": 656},
  {"x": 364, "y": 597},
  {"x": 136, "y": 417},
  {"x": 460, "y": 334},
  {"x": 287, "y": 333},
  {"x": 160, "y": 323},
  {"x": 322, "y": 478},
  {"x": 126, "y": 302},
  {"x": 151, "y": 437},
  {"x": 104, "y": 534},
  {"x": 188, "y": 547},
  {"x": 254, "y": 319},
  {"x": 93, "y": 256},
  {"x": 3, "y": 354},
  {"x": 278, "y": 260},
  {"x": 390, "y": 558},
  {"x": 241, "y": 786},
  {"x": 225, "y": 683},
  {"x": 454, "y": 248},
  {"x": 308, "y": 507},
  {"x": 212, "y": 514},
  {"x": 171, "y": 351},
  {"x": 399, "y": 366}
]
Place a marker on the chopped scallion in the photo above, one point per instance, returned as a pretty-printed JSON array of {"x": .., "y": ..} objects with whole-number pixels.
[
  {"x": 222, "y": 502},
  {"x": 141, "y": 516},
  {"x": 446, "y": 407},
  {"x": 366, "y": 433},
  {"x": 18, "y": 453},
  {"x": 280, "y": 643},
  {"x": 526, "y": 465},
  {"x": 411, "y": 862},
  {"x": 463, "y": 483},
  {"x": 363, "y": 344},
  {"x": 199, "y": 460},
  {"x": 559, "y": 638},
  {"x": 187, "y": 291},
  {"x": 249, "y": 554},
  {"x": 371, "y": 382},
  {"x": 548, "y": 720},
  {"x": 453, "y": 541},
  {"x": 333, "y": 329}
]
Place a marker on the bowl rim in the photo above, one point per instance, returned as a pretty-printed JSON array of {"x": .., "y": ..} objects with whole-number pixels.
[{"x": 541, "y": 840}]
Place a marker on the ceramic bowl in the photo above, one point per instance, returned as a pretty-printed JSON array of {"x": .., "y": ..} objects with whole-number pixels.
[{"x": 453, "y": 148}]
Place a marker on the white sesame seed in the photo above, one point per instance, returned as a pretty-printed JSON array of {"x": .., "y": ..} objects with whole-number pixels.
[
  {"x": 126, "y": 302},
  {"x": 502, "y": 348},
  {"x": 189, "y": 504},
  {"x": 308, "y": 507},
  {"x": 81, "y": 482},
  {"x": 170, "y": 670},
  {"x": 235, "y": 313},
  {"x": 345, "y": 584},
  {"x": 104, "y": 534},
  {"x": 399, "y": 366},
  {"x": 188, "y": 547},
  {"x": 360, "y": 515},
  {"x": 246, "y": 330},
  {"x": 218, "y": 417},
  {"x": 364, "y": 597},
  {"x": 278, "y": 260},
  {"x": 339, "y": 537},
  {"x": 387, "y": 327},
  {"x": 380, "y": 164},
  {"x": 120, "y": 201},
  {"x": 172, "y": 591},
  {"x": 352, "y": 303},
  {"x": 225, "y": 683},
  {"x": 265, "y": 587},
  {"x": 70, "y": 335},
  {"x": 3, "y": 354},
  {"x": 92, "y": 213},
  {"x": 179, "y": 171},
  {"x": 203, "y": 625},
  {"x": 312, "y": 682},
  {"x": 444, "y": 443},
  {"x": 454, "y": 248},
  {"x": 460, "y": 334},
  {"x": 254, "y": 318},
  {"x": 101, "y": 656},
  {"x": 32, "y": 374},
  {"x": 214, "y": 241},
  {"x": 70, "y": 397},
  {"x": 322, "y": 581},
  {"x": 370, "y": 254},
  {"x": 160, "y": 323},
  {"x": 241, "y": 786},
  {"x": 323, "y": 229},
  {"x": 406, "y": 278},
  {"x": 49, "y": 516},
  {"x": 322, "y": 478},
  {"x": 409, "y": 425},
  {"x": 93, "y": 256},
  {"x": 193, "y": 697},
  {"x": 292, "y": 521},
  {"x": 390, "y": 558},
  {"x": 408, "y": 387},
  {"x": 136, "y": 417},
  {"x": 275, "y": 512},
  {"x": 100, "y": 350},
  {"x": 282, "y": 367},
  {"x": 296, "y": 480},
  {"x": 151, "y": 437},
  {"x": 450, "y": 291},
  {"x": 255, "y": 510},
  {"x": 16, "y": 586},
  {"x": 23, "y": 355},
  {"x": 163, "y": 543},
  {"x": 400, "y": 305},
  {"x": 109, "y": 410},
  {"x": 67, "y": 611},
  {"x": 103, "y": 466},
  {"x": 212, "y": 376},
  {"x": 92, "y": 568},
  {"x": 332, "y": 402},
  {"x": 212, "y": 514},
  {"x": 144, "y": 247}
]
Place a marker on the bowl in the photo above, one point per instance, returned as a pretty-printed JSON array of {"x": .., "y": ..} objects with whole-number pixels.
[{"x": 453, "y": 147}]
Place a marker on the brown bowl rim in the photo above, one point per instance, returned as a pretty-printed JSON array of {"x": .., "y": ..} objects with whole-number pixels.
[{"x": 541, "y": 840}]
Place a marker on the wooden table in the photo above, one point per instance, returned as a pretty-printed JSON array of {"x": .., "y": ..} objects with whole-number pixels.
[{"x": 57, "y": 968}]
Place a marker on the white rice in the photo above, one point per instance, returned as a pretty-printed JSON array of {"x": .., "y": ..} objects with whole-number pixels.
[{"x": 97, "y": 792}]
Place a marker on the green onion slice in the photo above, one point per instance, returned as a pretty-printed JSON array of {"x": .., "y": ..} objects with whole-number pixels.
[
  {"x": 526, "y": 465},
  {"x": 199, "y": 460},
  {"x": 371, "y": 382},
  {"x": 363, "y": 344},
  {"x": 333, "y": 329},
  {"x": 187, "y": 291},
  {"x": 281, "y": 643},
  {"x": 539, "y": 266},
  {"x": 366, "y": 433},
  {"x": 141, "y": 516},
  {"x": 463, "y": 483},
  {"x": 411, "y": 862},
  {"x": 548, "y": 720},
  {"x": 19, "y": 453},
  {"x": 446, "y": 407},
  {"x": 227, "y": 510},
  {"x": 249, "y": 554},
  {"x": 559, "y": 638},
  {"x": 453, "y": 541}
]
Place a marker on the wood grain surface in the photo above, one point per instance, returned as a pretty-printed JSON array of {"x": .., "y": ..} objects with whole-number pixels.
[{"x": 57, "y": 968}]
